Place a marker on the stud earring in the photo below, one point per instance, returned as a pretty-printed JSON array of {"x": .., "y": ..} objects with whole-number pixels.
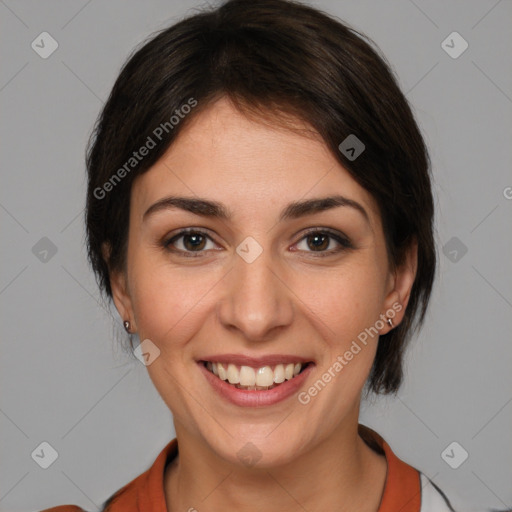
[
  {"x": 390, "y": 322},
  {"x": 126, "y": 325}
]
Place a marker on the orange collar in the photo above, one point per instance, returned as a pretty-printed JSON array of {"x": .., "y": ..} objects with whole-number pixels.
[
  {"x": 145, "y": 493},
  {"x": 401, "y": 492}
]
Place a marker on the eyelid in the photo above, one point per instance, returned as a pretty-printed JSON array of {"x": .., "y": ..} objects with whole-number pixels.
[
  {"x": 169, "y": 239},
  {"x": 338, "y": 236},
  {"x": 344, "y": 242}
]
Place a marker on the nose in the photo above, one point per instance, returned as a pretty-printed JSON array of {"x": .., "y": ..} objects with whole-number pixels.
[{"x": 256, "y": 301}]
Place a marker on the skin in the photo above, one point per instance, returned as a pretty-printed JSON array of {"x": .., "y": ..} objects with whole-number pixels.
[{"x": 288, "y": 301}]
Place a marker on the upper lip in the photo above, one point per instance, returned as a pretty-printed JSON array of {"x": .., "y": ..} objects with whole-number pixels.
[{"x": 255, "y": 362}]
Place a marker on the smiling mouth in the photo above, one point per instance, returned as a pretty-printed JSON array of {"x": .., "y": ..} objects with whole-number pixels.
[{"x": 255, "y": 379}]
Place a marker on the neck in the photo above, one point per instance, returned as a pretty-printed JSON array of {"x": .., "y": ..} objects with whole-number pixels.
[{"x": 341, "y": 473}]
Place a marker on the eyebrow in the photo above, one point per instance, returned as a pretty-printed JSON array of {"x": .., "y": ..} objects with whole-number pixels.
[{"x": 214, "y": 209}]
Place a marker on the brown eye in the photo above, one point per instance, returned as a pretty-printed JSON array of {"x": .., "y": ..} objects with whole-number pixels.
[
  {"x": 194, "y": 242},
  {"x": 188, "y": 241},
  {"x": 319, "y": 241}
]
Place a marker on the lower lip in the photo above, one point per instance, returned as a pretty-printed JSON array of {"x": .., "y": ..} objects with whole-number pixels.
[{"x": 254, "y": 398}]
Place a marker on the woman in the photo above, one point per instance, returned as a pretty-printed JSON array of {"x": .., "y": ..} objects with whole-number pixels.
[{"x": 260, "y": 211}]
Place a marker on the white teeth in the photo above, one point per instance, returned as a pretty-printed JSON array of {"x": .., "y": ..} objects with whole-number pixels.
[
  {"x": 247, "y": 377},
  {"x": 279, "y": 374},
  {"x": 222, "y": 372},
  {"x": 233, "y": 374},
  {"x": 264, "y": 376}
]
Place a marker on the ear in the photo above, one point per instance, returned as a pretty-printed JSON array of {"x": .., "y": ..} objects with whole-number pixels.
[
  {"x": 120, "y": 292},
  {"x": 399, "y": 288}
]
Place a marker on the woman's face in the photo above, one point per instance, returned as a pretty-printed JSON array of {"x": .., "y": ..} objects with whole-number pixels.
[{"x": 269, "y": 285}]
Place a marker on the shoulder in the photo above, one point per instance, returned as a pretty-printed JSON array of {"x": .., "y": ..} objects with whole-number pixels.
[
  {"x": 145, "y": 492},
  {"x": 64, "y": 508},
  {"x": 432, "y": 498},
  {"x": 406, "y": 489},
  {"x": 124, "y": 499}
]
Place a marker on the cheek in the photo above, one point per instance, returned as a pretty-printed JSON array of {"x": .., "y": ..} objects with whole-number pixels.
[
  {"x": 168, "y": 301},
  {"x": 347, "y": 299},
  {"x": 346, "y": 305}
]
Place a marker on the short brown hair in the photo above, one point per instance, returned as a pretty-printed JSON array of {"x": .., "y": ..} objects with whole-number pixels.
[{"x": 282, "y": 57}]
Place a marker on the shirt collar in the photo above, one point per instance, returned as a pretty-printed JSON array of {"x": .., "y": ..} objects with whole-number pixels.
[{"x": 402, "y": 490}]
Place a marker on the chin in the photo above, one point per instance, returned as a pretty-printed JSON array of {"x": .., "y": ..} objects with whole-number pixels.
[
  {"x": 258, "y": 453},
  {"x": 257, "y": 446}
]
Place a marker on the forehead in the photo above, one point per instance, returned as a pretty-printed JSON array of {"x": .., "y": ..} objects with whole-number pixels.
[{"x": 248, "y": 163}]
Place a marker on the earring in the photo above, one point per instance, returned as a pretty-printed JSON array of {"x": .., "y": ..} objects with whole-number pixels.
[
  {"x": 390, "y": 322},
  {"x": 126, "y": 325}
]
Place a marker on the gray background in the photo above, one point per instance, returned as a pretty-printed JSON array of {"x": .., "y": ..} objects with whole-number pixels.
[{"x": 65, "y": 379}]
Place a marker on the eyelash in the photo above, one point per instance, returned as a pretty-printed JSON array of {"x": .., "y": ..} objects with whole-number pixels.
[{"x": 343, "y": 241}]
